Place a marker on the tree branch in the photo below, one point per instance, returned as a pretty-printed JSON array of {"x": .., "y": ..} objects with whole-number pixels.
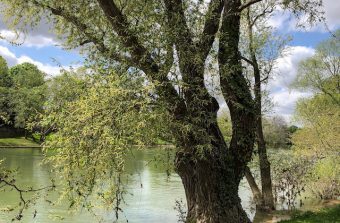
[
  {"x": 265, "y": 78},
  {"x": 143, "y": 59},
  {"x": 247, "y": 4},
  {"x": 211, "y": 26},
  {"x": 247, "y": 60},
  {"x": 140, "y": 58},
  {"x": 83, "y": 28},
  {"x": 191, "y": 62},
  {"x": 178, "y": 24},
  {"x": 120, "y": 24},
  {"x": 267, "y": 10},
  {"x": 21, "y": 194}
]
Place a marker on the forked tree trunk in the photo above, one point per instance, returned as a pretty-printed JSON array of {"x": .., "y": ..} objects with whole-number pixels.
[
  {"x": 210, "y": 170},
  {"x": 210, "y": 188},
  {"x": 211, "y": 176}
]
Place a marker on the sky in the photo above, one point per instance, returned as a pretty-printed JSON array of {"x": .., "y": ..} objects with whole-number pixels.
[{"x": 41, "y": 48}]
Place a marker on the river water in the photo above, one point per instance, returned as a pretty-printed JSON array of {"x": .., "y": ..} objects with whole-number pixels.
[{"x": 152, "y": 192}]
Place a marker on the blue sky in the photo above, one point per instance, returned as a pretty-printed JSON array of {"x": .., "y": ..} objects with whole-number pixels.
[
  {"x": 47, "y": 54},
  {"x": 308, "y": 39},
  {"x": 42, "y": 48}
]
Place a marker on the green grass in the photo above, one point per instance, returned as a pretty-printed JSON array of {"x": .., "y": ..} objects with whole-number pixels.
[
  {"x": 17, "y": 142},
  {"x": 325, "y": 215}
]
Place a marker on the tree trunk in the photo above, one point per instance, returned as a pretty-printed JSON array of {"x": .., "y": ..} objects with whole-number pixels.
[
  {"x": 210, "y": 188},
  {"x": 210, "y": 176},
  {"x": 257, "y": 195},
  {"x": 266, "y": 181}
]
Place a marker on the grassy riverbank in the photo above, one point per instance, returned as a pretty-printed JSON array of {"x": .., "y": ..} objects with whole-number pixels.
[
  {"x": 17, "y": 142},
  {"x": 325, "y": 215}
]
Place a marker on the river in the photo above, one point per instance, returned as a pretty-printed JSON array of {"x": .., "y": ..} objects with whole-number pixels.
[{"x": 152, "y": 199}]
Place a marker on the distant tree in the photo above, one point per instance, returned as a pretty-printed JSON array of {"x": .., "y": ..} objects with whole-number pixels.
[
  {"x": 321, "y": 72},
  {"x": 27, "y": 94},
  {"x": 320, "y": 113},
  {"x": 5, "y": 84},
  {"x": 5, "y": 79},
  {"x": 320, "y": 131},
  {"x": 225, "y": 125},
  {"x": 26, "y": 75},
  {"x": 276, "y": 132}
]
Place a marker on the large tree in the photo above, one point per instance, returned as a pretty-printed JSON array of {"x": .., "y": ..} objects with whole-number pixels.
[{"x": 152, "y": 36}]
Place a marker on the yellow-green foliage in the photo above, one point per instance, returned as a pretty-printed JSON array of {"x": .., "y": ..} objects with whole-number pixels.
[
  {"x": 318, "y": 140},
  {"x": 321, "y": 132},
  {"x": 324, "y": 181},
  {"x": 96, "y": 131}
]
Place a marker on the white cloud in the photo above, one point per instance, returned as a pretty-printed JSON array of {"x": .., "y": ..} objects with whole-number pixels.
[
  {"x": 332, "y": 10},
  {"x": 30, "y": 40},
  {"x": 47, "y": 68},
  {"x": 285, "y": 101},
  {"x": 279, "y": 18},
  {"x": 38, "y": 36},
  {"x": 282, "y": 96},
  {"x": 12, "y": 60},
  {"x": 8, "y": 55},
  {"x": 287, "y": 66},
  {"x": 284, "y": 20}
]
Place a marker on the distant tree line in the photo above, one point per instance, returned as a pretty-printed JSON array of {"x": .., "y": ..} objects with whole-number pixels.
[{"x": 23, "y": 94}]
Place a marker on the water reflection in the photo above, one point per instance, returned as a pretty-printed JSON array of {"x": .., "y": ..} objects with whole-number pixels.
[{"x": 152, "y": 197}]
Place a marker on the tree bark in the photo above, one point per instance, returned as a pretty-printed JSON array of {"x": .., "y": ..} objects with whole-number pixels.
[
  {"x": 235, "y": 88},
  {"x": 211, "y": 183},
  {"x": 212, "y": 197},
  {"x": 207, "y": 167}
]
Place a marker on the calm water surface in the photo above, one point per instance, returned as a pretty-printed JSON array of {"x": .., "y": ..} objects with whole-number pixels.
[{"x": 152, "y": 199}]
